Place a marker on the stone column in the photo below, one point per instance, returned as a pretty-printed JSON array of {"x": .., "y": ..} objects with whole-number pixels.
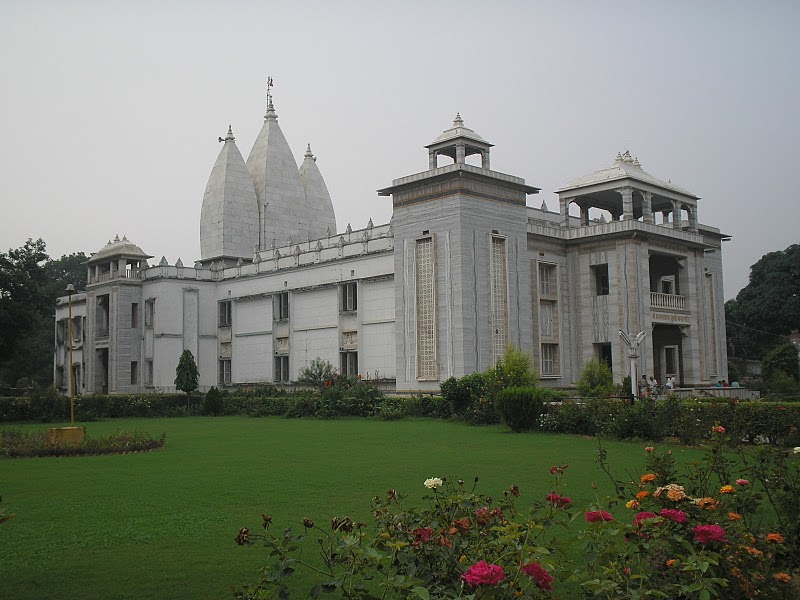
[
  {"x": 485, "y": 159},
  {"x": 647, "y": 207},
  {"x": 564, "y": 204},
  {"x": 461, "y": 154},
  {"x": 693, "y": 219},
  {"x": 627, "y": 203},
  {"x": 431, "y": 159},
  {"x": 584, "y": 215},
  {"x": 676, "y": 214}
]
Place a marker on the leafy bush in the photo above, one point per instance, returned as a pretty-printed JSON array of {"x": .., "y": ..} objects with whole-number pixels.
[
  {"x": 463, "y": 392},
  {"x": 672, "y": 543},
  {"x": 213, "y": 403},
  {"x": 316, "y": 373},
  {"x": 520, "y": 407},
  {"x": 596, "y": 381},
  {"x": 15, "y": 443},
  {"x": 512, "y": 370}
]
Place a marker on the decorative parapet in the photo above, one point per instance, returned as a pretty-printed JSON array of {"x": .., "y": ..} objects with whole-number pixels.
[
  {"x": 667, "y": 301},
  {"x": 540, "y": 227}
]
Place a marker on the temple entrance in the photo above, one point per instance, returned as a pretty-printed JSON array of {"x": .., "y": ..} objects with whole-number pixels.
[{"x": 667, "y": 353}]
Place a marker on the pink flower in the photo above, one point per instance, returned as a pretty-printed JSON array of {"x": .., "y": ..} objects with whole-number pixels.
[
  {"x": 649, "y": 449},
  {"x": 484, "y": 574},
  {"x": 742, "y": 482},
  {"x": 594, "y": 516},
  {"x": 705, "y": 534},
  {"x": 673, "y": 515},
  {"x": 718, "y": 429},
  {"x": 543, "y": 579},
  {"x": 643, "y": 516}
]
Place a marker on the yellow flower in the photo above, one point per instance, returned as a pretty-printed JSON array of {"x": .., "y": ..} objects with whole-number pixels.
[
  {"x": 647, "y": 478},
  {"x": 631, "y": 504},
  {"x": 463, "y": 558},
  {"x": 783, "y": 577},
  {"x": 727, "y": 489}
]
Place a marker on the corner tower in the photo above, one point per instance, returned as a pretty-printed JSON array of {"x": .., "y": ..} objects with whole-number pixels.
[{"x": 460, "y": 263}]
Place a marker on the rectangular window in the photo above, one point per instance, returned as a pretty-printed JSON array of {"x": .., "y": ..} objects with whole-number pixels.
[
  {"x": 547, "y": 279},
  {"x": 281, "y": 306},
  {"x": 499, "y": 298},
  {"x": 149, "y": 312},
  {"x": 349, "y": 364},
  {"x": 281, "y": 369},
  {"x": 601, "y": 284},
  {"x": 225, "y": 313},
  {"x": 550, "y": 360},
  {"x": 427, "y": 368},
  {"x": 546, "y": 310},
  {"x": 148, "y": 372},
  {"x": 668, "y": 285},
  {"x": 224, "y": 371},
  {"x": 134, "y": 315},
  {"x": 134, "y": 373},
  {"x": 349, "y": 292}
]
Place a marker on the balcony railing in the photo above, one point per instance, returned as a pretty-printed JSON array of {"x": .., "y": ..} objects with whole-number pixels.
[
  {"x": 108, "y": 276},
  {"x": 668, "y": 301}
]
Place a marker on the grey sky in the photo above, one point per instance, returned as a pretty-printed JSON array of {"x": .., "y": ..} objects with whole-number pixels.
[{"x": 111, "y": 110}]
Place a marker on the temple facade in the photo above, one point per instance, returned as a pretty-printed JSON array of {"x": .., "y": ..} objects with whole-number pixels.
[{"x": 464, "y": 269}]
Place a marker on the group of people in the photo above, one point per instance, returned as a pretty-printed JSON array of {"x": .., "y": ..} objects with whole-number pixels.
[
  {"x": 649, "y": 386},
  {"x": 723, "y": 383}
]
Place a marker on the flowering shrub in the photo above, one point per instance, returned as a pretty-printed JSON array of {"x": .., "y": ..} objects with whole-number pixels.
[
  {"x": 673, "y": 540},
  {"x": 15, "y": 443}
]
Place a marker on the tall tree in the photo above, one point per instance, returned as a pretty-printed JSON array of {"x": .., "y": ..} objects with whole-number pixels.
[
  {"x": 768, "y": 308},
  {"x": 187, "y": 375},
  {"x": 23, "y": 285}
]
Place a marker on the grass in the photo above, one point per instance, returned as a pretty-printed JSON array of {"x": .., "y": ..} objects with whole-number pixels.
[{"x": 162, "y": 524}]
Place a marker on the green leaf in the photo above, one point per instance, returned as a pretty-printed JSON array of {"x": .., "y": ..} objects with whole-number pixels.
[
  {"x": 705, "y": 594},
  {"x": 422, "y": 593}
]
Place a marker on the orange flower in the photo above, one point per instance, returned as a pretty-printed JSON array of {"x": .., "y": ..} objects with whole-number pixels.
[
  {"x": 753, "y": 551},
  {"x": 783, "y": 577},
  {"x": 707, "y": 503},
  {"x": 647, "y": 478},
  {"x": 642, "y": 495},
  {"x": 775, "y": 537},
  {"x": 734, "y": 516},
  {"x": 675, "y": 494},
  {"x": 727, "y": 489},
  {"x": 672, "y": 562}
]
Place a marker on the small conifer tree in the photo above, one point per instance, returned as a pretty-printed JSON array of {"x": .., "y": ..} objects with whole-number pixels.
[{"x": 187, "y": 375}]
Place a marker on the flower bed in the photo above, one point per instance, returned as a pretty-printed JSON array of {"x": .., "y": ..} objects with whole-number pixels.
[
  {"x": 15, "y": 443},
  {"x": 665, "y": 535}
]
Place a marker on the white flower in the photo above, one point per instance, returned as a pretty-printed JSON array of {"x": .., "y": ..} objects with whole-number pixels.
[
  {"x": 797, "y": 450},
  {"x": 433, "y": 483}
]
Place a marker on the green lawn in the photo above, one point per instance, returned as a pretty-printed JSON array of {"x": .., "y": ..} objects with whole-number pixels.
[{"x": 162, "y": 524}]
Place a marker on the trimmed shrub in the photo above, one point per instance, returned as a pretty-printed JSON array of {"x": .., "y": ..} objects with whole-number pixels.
[
  {"x": 213, "y": 403},
  {"x": 597, "y": 380},
  {"x": 15, "y": 443},
  {"x": 520, "y": 407},
  {"x": 462, "y": 393}
]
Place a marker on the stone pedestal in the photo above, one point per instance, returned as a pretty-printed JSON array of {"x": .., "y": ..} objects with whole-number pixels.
[{"x": 67, "y": 436}]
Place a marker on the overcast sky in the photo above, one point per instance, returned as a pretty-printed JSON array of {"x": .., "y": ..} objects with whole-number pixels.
[{"x": 111, "y": 110}]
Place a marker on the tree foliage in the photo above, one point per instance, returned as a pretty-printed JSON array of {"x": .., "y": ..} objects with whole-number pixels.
[
  {"x": 597, "y": 380},
  {"x": 187, "y": 375},
  {"x": 768, "y": 307},
  {"x": 30, "y": 282},
  {"x": 317, "y": 373},
  {"x": 783, "y": 359}
]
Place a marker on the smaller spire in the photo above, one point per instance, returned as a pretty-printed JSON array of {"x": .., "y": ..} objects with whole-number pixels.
[
  {"x": 458, "y": 121},
  {"x": 179, "y": 262},
  {"x": 271, "y": 114},
  {"x": 229, "y": 137},
  {"x": 116, "y": 238},
  {"x": 308, "y": 153}
]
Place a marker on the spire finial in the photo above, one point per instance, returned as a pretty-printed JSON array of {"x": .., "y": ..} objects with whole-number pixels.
[
  {"x": 229, "y": 137},
  {"x": 270, "y": 109},
  {"x": 308, "y": 153},
  {"x": 458, "y": 121}
]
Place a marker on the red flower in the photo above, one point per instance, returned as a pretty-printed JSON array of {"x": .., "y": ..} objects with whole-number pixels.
[
  {"x": 594, "y": 516},
  {"x": 705, "y": 534},
  {"x": 649, "y": 449},
  {"x": 421, "y": 534},
  {"x": 543, "y": 579},
  {"x": 643, "y": 516},
  {"x": 484, "y": 574},
  {"x": 673, "y": 515}
]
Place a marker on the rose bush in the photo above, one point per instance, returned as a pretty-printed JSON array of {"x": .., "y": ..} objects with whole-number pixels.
[{"x": 686, "y": 536}]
